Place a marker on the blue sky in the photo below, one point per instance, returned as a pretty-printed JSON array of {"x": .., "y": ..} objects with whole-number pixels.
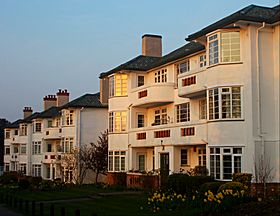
[{"x": 47, "y": 45}]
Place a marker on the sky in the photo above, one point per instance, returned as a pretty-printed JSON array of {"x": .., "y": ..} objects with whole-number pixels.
[{"x": 66, "y": 44}]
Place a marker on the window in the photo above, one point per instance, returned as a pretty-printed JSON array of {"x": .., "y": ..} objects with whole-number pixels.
[
  {"x": 37, "y": 127},
  {"x": 184, "y": 67},
  {"x": 15, "y": 149},
  {"x": 225, "y": 161},
  {"x": 183, "y": 112},
  {"x": 23, "y": 130},
  {"x": 213, "y": 49},
  {"x": 229, "y": 47},
  {"x": 7, "y": 167},
  {"x": 118, "y": 85},
  {"x": 117, "y": 121},
  {"x": 224, "y": 103},
  {"x": 23, "y": 148},
  {"x": 7, "y": 150},
  {"x": 116, "y": 161},
  {"x": 202, "y": 156},
  {"x": 202, "y": 61},
  {"x": 202, "y": 109},
  {"x": 16, "y": 132},
  {"x": 68, "y": 117},
  {"x": 22, "y": 168},
  {"x": 140, "y": 81},
  {"x": 140, "y": 120},
  {"x": 49, "y": 147},
  {"x": 160, "y": 116},
  {"x": 7, "y": 135},
  {"x": 49, "y": 123},
  {"x": 141, "y": 162},
  {"x": 162, "y": 134},
  {"x": 161, "y": 76},
  {"x": 36, "y": 147},
  {"x": 36, "y": 170},
  {"x": 68, "y": 144},
  {"x": 141, "y": 136},
  {"x": 184, "y": 157}
]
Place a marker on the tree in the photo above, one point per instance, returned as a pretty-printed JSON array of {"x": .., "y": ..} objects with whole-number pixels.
[
  {"x": 98, "y": 155},
  {"x": 263, "y": 172},
  {"x": 74, "y": 163}
]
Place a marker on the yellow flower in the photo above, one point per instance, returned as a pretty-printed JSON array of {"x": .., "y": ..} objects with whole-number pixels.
[
  {"x": 219, "y": 201},
  {"x": 193, "y": 197},
  {"x": 205, "y": 200},
  {"x": 183, "y": 200},
  {"x": 158, "y": 208},
  {"x": 149, "y": 203}
]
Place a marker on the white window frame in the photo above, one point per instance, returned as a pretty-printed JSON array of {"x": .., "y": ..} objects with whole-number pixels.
[
  {"x": 218, "y": 39},
  {"x": 117, "y": 121},
  {"x": 118, "y": 84},
  {"x": 141, "y": 164},
  {"x": 23, "y": 148},
  {"x": 68, "y": 117},
  {"x": 216, "y": 103},
  {"x": 179, "y": 112},
  {"x": 36, "y": 170},
  {"x": 113, "y": 157},
  {"x": 187, "y": 159},
  {"x": 142, "y": 82},
  {"x": 219, "y": 171},
  {"x": 161, "y": 76},
  {"x": 37, "y": 127},
  {"x": 184, "y": 66},
  {"x": 36, "y": 147},
  {"x": 23, "y": 130}
]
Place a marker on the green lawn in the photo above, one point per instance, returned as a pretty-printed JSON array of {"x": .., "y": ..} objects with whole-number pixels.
[{"x": 118, "y": 205}]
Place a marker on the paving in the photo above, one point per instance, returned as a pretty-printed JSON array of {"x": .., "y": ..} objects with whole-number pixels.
[{"x": 4, "y": 211}]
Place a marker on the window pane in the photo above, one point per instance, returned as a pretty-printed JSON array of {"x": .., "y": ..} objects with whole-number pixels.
[{"x": 227, "y": 166}]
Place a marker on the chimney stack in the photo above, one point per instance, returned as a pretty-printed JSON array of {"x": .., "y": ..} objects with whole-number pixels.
[
  {"x": 27, "y": 111},
  {"x": 151, "y": 45},
  {"x": 62, "y": 97},
  {"x": 49, "y": 101}
]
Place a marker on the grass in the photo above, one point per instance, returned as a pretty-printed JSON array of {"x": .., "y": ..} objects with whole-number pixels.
[{"x": 118, "y": 205}]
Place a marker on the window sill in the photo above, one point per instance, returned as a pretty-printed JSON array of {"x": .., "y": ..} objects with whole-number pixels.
[
  {"x": 224, "y": 63},
  {"x": 225, "y": 120}
]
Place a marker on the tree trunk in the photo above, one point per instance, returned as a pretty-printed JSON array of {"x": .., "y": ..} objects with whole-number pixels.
[{"x": 96, "y": 177}]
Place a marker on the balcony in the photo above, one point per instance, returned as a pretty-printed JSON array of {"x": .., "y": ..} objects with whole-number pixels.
[
  {"x": 152, "y": 95},
  {"x": 195, "y": 83},
  {"x": 51, "y": 157},
  {"x": 14, "y": 157},
  {"x": 52, "y": 133},
  {"x": 183, "y": 133}
]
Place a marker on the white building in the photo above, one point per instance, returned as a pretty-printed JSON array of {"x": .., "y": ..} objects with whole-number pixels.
[
  {"x": 35, "y": 144},
  {"x": 213, "y": 101}
]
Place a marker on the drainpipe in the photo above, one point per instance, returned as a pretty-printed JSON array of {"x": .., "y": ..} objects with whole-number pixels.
[{"x": 260, "y": 132}]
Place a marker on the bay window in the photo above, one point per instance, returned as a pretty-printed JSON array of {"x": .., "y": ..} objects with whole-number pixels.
[
  {"x": 118, "y": 85},
  {"x": 116, "y": 161},
  {"x": 224, "y": 103},
  {"x": 224, "y": 47},
  {"x": 117, "y": 121},
  {"x": 224, "y": 161}
]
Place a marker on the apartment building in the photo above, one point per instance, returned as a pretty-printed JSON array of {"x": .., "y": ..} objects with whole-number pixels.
[
  {"x": 212, "y": 102},
  {"x": 34, "y": 145}
]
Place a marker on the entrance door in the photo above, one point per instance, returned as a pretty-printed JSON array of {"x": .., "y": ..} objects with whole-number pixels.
[{"x": 164, "y": 168}]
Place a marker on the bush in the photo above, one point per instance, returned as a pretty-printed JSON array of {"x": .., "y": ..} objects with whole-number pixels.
[
  {"x": 35, "y": 181},
  {"x": 210, "y": 186},
  {"x": 244, "y": 178},
  {"x": 234, "y": 186},
  {"x": 9, "y": 177},
  {"x": 46, "y": 185},
  {"x": 185, "y": 184},
  {"x": 198, "y": 171},
  {"x": 23, "y": 183}
]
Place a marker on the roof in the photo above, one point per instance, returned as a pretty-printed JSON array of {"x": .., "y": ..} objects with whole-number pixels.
[
  {"x": 49, "y": 113},
  {"x": 140, "y": 63},
  {"x": 87, "y": 100},
  {"x": 14, "y": 124},
  {"x": 181, "y": 52},
  {"x": 145, "y": 63},
  {"x": 252, "y": 13}
]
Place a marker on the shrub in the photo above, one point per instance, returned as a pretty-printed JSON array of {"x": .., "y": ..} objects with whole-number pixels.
[
  {"x": 185, "y": 184},
  {"x": 210, "y": 186},
  {"x": 198, "y": 171},
  {"x": 46, "y": 185},
  {"x": 9, "y": 177},
  {"x": 23, "y": 183},
  {"x": 35, "y": 181},
  {"x": 244, "y": 178},
  {"x": 234, "y": 186}
]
